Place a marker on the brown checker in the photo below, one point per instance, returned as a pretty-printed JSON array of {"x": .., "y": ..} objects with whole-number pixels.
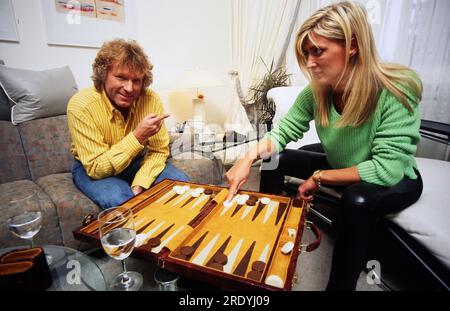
[
  {"x": 208, "y": 192},
  {"x": 187, "y": 250},
  {"x": 220, "y": 258},
  {"x": 215, "y": 265},
  {"x": 258, "y": 265},
  {"x": 250, "y": 202},
  {"x": 221, "y": 250},
  {"x": 253, "y": 198},
  {"x": 254, "y": 275}
]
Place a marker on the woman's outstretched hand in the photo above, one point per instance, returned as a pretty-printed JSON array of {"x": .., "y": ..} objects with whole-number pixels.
[
  {"x": 307, "y": 190},
  {"x": 237, "y": 175}
]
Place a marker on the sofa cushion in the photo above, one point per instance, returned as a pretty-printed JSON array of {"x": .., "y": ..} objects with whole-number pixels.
[
  {"x": 33, "y": 92},
  {"x": 427, "y": 219},
  {"x": 50, "y": 232},
  {"x": 46, "y": 143},
  {"x": 5, "y": 108},
  {"x": 13, "y": 163},
  {"x": 71, "y": 205}
]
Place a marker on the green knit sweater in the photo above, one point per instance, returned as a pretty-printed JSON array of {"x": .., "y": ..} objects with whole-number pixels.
[{"x": 382, "y": 148}]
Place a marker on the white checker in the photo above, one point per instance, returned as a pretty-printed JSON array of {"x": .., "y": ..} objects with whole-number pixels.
[
  {"x": 292, "y": 232},
  {"x": 241, "y": 200},
  {"x": 265, "y": 201},
  {"x": 180, "y": 191},
  {"x": 244, "y": 197},
  {"x": 274, "y": 280},
  {"x": 195, "y": 194},
  {"x": 227, "y": 206},
  {"x": 199, "y": 190},
  {"x": 287, "y": 248}
]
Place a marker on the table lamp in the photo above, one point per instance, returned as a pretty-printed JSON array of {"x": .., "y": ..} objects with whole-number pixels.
[{"x": 195, "y": 79}]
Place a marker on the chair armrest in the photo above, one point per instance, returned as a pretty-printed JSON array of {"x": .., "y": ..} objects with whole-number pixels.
[{"x": 429, "y": 129}]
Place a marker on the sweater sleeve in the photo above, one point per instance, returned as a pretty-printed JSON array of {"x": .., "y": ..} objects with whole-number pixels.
[
  {"x": 157, "y": 153},
  {"x": 296, "y": 122},
  {"x": 394, "y": 144}
]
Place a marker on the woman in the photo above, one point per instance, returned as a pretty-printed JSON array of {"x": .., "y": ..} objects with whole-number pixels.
[{"x": 367, "y": 118}]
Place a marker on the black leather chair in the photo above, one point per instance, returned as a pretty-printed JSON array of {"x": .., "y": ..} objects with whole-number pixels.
[{"x": 406, "y": 263}]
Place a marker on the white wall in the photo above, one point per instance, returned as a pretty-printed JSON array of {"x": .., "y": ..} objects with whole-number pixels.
[
  {"x": 180, "y": 35},
  {"x": 176, "y": 34},
  {"x": 33, "y": 52}
]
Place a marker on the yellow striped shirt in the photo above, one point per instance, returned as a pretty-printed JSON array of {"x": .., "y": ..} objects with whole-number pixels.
[{"x": 104, "y": 142}]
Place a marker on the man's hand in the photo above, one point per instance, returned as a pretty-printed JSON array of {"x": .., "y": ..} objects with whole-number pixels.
[
  {"x": 237, "y": 176},
  {"x": 307, "y": 190},
  {"x": 137, "y": 190},
  {"x": 148, "y": 127}
]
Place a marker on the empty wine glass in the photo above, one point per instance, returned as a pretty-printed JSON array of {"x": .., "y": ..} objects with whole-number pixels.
[
  {"x": 118, "y": 237},
  {"x": 28, "y": 219}
]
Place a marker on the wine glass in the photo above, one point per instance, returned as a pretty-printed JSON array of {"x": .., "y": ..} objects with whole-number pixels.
[
  {"x": 25, "y": 224},
  {"x": 118, "y": 238}
]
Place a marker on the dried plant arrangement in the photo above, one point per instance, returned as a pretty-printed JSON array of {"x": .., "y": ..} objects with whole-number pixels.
[{"x": 274, "y": 77}]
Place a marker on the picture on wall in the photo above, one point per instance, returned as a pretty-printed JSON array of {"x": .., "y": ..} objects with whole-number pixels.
[
  {"x": 83, "y": 7},
  {"x": 111, "y": 10},
  {"x": 103, "y": 9},
  {"x": 8, "y": 26},
  {"x": 88, "y": 23}
]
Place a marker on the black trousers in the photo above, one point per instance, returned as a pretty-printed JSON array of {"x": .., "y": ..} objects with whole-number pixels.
[{"x": 361, "y": 206}]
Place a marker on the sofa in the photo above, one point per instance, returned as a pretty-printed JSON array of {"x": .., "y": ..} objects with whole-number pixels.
[
  {"x": 413, "y": 246},
  {"x": 35, "y": 156}
]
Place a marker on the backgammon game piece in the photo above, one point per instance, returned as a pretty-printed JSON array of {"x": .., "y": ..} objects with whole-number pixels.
[
  {"x": 287, "y": 248},
  {"x": 249, "y": 242},
  {"x": 292, "y": 232}
]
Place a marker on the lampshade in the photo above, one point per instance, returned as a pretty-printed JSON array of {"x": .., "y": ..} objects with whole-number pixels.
[{"x": 196, "y": 78}]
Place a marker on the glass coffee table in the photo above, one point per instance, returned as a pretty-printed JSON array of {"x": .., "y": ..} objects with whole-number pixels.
[
  {"x": 224, "y": 151},
  {"x": 71, "y": 270}
]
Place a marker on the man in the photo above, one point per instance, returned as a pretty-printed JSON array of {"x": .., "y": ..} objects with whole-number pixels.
[{"x": 111, "y": 125}]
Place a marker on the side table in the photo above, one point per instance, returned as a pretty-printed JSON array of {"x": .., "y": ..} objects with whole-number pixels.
[{"x": 71, "y": 270}]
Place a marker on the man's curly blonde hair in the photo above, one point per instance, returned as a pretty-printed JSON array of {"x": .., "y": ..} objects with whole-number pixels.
[{"x": 122, "y": 52}]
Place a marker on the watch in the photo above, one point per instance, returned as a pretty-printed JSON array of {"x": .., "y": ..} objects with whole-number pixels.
[{"x": 316, "y": 177}]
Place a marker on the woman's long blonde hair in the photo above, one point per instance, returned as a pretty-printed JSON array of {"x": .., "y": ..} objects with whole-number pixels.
[{"x": 366, "y": 75}]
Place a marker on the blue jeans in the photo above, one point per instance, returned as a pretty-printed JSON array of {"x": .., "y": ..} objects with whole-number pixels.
[{"x": 113, "y": 191}]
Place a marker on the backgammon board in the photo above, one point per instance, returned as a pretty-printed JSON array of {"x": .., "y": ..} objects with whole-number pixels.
[{"x": 251, "y": 242}]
